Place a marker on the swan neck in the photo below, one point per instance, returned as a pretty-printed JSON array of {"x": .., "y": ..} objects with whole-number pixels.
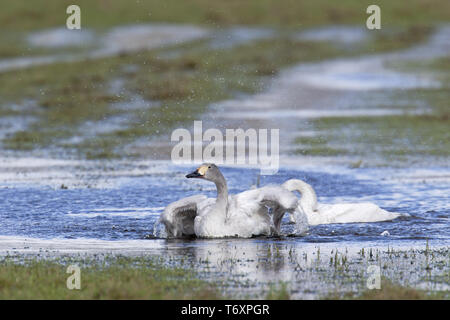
[
  {"x": 221, "y": 207},
  {"x": 308, "y": 200},
  {"x": 222, "y": 191}
]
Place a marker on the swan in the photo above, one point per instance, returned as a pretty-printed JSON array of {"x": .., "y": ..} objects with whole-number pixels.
[
  {"x": 335, "y": 213},
  {"x": 243, "y": 215}
]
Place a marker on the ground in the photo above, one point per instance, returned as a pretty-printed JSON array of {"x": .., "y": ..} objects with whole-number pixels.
[{"x": 75, "y": 111}]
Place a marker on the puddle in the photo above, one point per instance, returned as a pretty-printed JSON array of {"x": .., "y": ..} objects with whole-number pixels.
[
  {"x": 340, "y": 35},
  {"x": 129, "y": 38},
  {"x": 313, "y": 114},
  {"x": 119, "y": 40},
  {"x": 90, "y": 129},
  {"x": 56, "y": 206},
  {"x": 145, "y": 37},
  {"x": 61, "y": 38},
  {"x": 11, "y": 124},
  {"x": 36, "y": 205},
  {"x": 235, "y": 36},
  {"x": 361, "y": 74},
  {"x": 349, "y": 87},
  {"x": 111, "y": 208}
]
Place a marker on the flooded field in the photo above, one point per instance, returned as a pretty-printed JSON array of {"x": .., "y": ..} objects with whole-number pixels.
[
  {"x": 85, "y": 143},
  {"x": 125, "y": 204},
  {"x": 118, "y": 215}
]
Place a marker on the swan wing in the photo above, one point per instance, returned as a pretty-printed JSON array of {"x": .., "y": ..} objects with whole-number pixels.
[
  {"x": 179, "y": 216},
  {"x": 256, "y": 203},
  {"x": 269, "y": 195}
]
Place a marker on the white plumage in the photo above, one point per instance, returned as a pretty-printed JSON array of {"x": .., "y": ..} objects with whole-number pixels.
[
  {"x": 242, "y": 215},
  {"x": 258, "y": 211},
  {"x": 336, "y": 213}
]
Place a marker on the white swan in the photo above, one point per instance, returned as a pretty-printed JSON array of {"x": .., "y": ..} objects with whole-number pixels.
[
  {"x": 335, "y": 213},
  {"x": 242, "y": 215}
]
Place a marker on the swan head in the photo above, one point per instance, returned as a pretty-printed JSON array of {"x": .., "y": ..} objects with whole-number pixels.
[{"x": 207, "y": 171}]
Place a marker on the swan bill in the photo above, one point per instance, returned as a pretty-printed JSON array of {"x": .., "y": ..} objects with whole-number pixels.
[
  {"x": 194, "y": 174},
  {"x": 199, "y": 173}
]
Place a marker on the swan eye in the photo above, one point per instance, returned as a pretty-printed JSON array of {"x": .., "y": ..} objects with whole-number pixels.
[{"x": 209, "y": 167}]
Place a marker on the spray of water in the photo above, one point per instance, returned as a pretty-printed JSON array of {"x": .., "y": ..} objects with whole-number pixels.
[
  {"x": 159, "y": 230},
  {"x": 301, "y": 222}
]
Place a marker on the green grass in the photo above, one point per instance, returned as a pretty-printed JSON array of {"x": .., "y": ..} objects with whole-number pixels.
[
  {"x": 391, "y": 137},
  {"x": 114, "y": 278},
  {"x": 316, "y": 146},
  {"x": 390, "y": 291},
  {"x": 440, "y": 67},
  {"x": 19, "y": 15},
  {"x": 279, "y": 291},
  {"x": 416, "y": 273},
  {"x": 153, "y": 277},
  {"x": 67, "y": 95}
]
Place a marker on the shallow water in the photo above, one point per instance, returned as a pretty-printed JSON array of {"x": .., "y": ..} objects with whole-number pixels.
[
  {"x": 112, "y": 207},
  {"x": 119, "y": 40},
  {"x": 125, "y": 203},
  {"x": 129, "y": 207},
  {"x": 90, "y": 44},
  {"x": 118, "y": 216},
  {"x": 344, "y": 87}
]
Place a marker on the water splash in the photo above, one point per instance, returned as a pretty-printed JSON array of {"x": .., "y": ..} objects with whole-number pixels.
[
  {"x": 159, "y": 230},
  {"x": 301, "y": 222}
]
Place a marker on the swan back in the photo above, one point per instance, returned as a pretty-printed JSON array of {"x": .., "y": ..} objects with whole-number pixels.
[{"x": 362, "y": 212}]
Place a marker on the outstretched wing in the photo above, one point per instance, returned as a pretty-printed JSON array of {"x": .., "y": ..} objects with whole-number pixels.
[
  {"x": 178, "y": 217},
  {"x": 277, "y": 198}
]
